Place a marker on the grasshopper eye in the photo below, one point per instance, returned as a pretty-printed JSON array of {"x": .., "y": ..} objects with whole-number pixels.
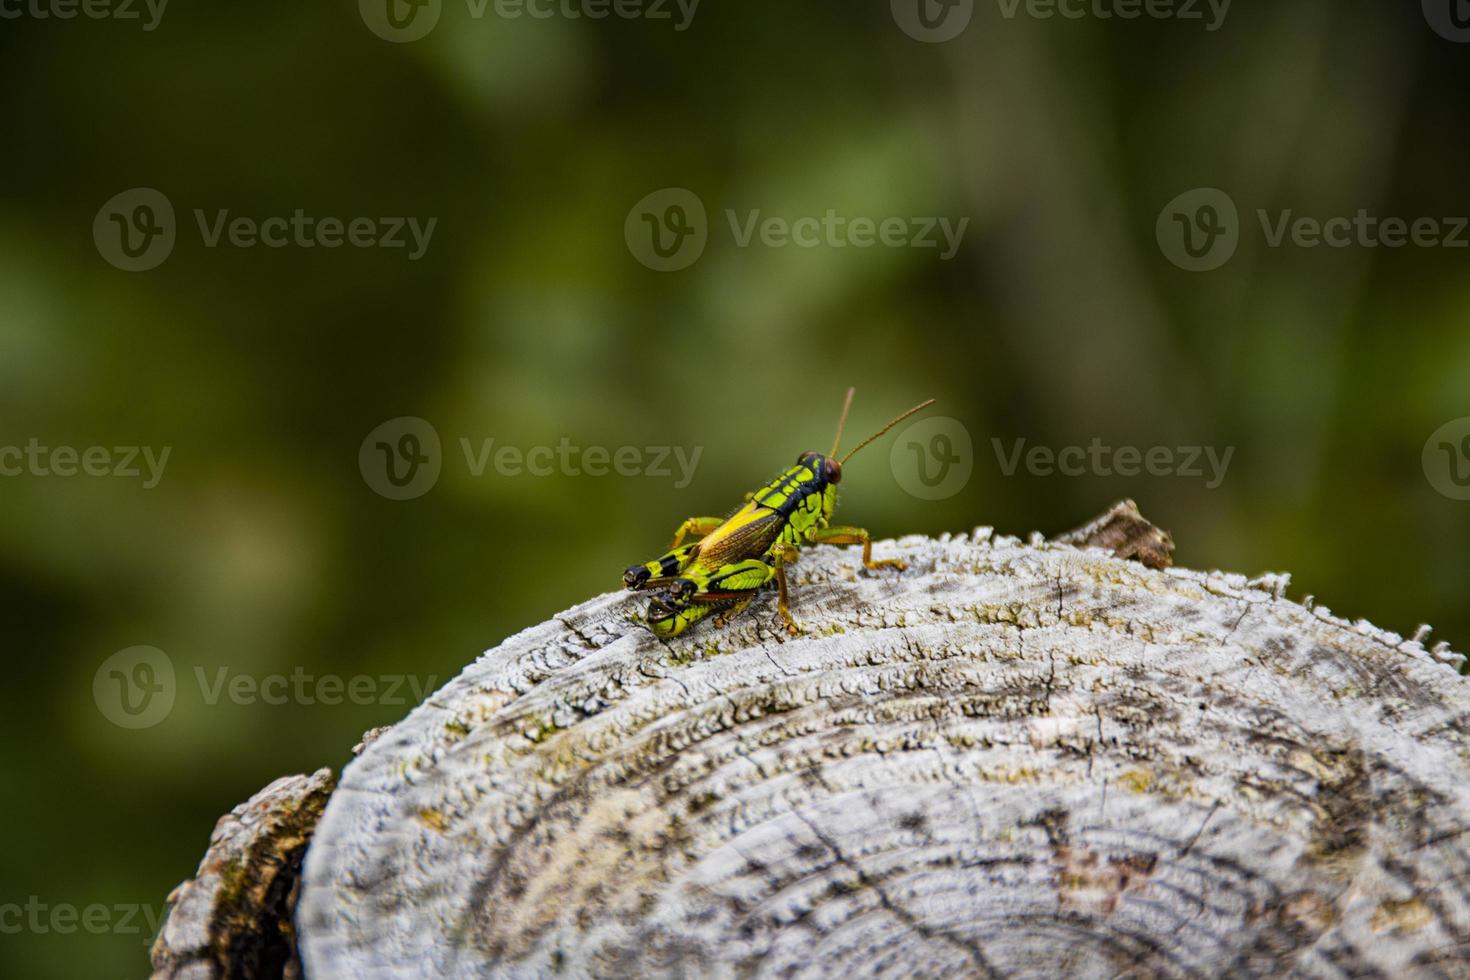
[{"x": 832, "y": 471}]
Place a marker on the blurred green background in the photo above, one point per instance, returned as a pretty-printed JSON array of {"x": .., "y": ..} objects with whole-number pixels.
[{"x": 264, "y": 550}]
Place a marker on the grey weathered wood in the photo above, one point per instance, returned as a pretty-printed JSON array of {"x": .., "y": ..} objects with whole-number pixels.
[{"x": 1013, "y": 759}]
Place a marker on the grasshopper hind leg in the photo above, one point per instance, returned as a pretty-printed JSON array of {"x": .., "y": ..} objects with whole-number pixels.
[
  {"x": 652, "y": 574},
  {"x": 724, "y": 593},
  {"x": 668, "y": 617}
]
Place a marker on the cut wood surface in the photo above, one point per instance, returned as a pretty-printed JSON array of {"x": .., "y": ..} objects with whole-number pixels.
[{"x": 1012, "y": 759}]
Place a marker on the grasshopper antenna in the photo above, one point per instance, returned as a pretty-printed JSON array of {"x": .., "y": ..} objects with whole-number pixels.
[
  {"x": 875, "y": 435},
  {"x": 842, "y": 421}
]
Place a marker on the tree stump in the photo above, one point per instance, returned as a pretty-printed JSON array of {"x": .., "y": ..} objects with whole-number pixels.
[{"x": 1011, "y": 759}]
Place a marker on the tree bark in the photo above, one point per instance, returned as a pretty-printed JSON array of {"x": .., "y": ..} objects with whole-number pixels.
[
  {"x": 1011, "y": 759},
  {"x": 234, "y": 918}
]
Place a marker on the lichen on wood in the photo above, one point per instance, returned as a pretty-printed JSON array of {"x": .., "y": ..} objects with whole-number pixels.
[{"x": 1011, "y": 759}]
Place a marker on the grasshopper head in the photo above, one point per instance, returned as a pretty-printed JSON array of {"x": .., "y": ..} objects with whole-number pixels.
[{"x": 827, "y": 469}]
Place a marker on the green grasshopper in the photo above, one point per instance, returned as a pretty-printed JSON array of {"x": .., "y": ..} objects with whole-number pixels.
[{"x": 737, "y": 555}]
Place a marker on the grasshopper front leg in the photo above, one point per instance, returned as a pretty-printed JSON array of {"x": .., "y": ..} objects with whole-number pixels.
[
  {"x": 841, "y": 534},
  {"x": 783, "y": 555}
]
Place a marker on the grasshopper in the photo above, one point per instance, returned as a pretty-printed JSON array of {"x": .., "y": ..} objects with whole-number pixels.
[{"x": 736, "y": 555}]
